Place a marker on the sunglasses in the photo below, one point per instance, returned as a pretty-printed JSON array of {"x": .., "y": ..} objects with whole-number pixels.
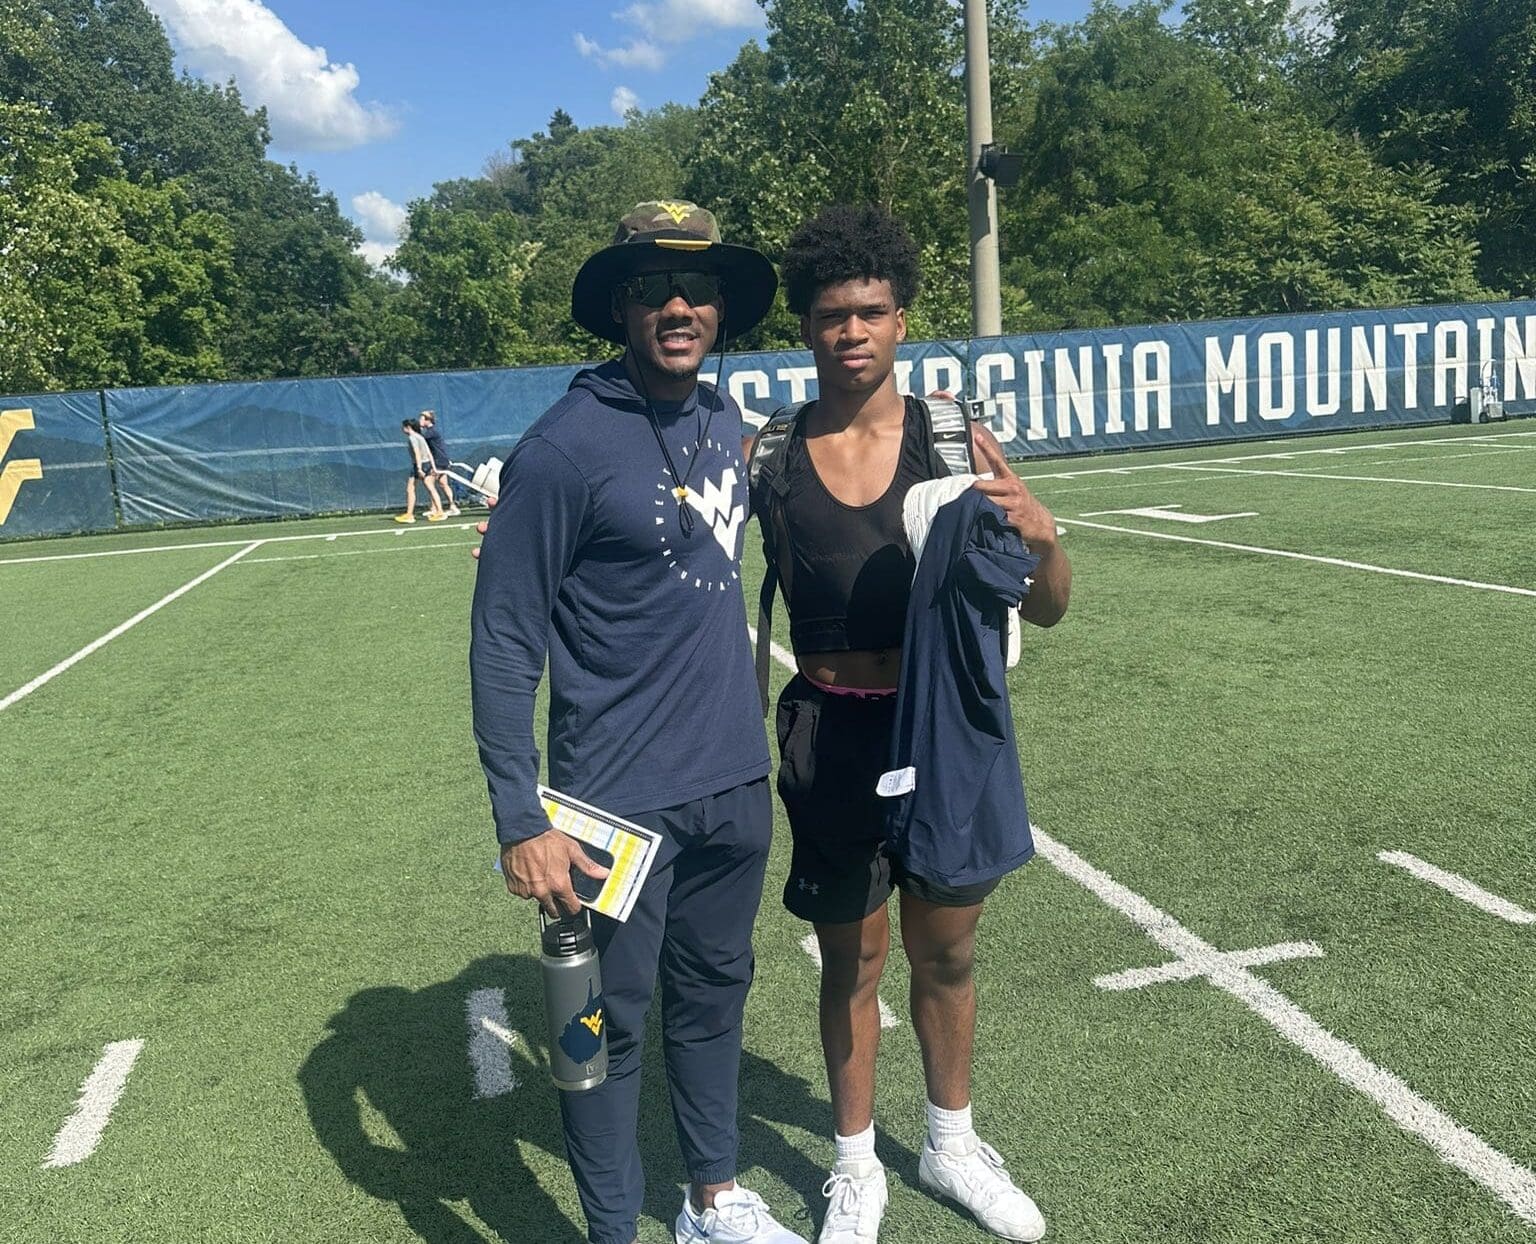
[{"x": 655, "y": 289}]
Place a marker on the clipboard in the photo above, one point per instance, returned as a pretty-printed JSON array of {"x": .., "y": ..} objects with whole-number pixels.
[{"x": 632, "y": 847}]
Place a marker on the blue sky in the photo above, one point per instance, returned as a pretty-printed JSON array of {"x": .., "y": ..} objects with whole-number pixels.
[{"x": 382, "y": 98}]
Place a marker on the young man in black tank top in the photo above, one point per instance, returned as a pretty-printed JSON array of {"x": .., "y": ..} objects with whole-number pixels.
[{"x": 849, "y": 274}]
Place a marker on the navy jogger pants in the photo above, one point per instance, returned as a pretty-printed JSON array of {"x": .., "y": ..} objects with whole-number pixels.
[{"x": 692, "y": 926}]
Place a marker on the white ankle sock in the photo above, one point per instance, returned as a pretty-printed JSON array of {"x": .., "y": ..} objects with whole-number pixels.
[
  {"x": 946, "y": 1125},
  {"x": 856, "y": 1148}
]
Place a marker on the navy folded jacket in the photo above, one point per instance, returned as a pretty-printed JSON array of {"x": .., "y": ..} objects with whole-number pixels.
[{"x": 964, "y": 819}]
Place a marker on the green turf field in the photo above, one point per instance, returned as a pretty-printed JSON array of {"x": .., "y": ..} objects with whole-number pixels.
[{"x": 218, "y": 842}]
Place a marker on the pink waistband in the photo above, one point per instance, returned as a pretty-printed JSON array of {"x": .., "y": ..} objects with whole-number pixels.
[{"x": 862, "y": 693}]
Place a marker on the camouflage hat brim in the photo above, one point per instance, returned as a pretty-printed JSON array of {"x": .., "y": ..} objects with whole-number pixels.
[{"x": 673, "y": 236}]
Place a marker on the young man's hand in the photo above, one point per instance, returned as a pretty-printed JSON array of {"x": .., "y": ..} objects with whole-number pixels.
[
  {"x": 1024, "y": 513},
  {"x": 540, "y": 869}
]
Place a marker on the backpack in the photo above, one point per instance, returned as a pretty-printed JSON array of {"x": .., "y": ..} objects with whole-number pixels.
[{"x": 949, "y": 453}]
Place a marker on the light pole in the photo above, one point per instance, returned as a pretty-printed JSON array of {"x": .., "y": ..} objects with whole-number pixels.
[{"x": 986, "y": 283}]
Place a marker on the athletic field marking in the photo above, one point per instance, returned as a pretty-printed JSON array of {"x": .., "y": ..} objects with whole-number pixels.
[
  {"x": 1192, "y": 966},
  {"x": 1357, "y": 479},
  {"x": 21, "y": 693},
  {"x": 782, "y": 655},
  {"x": 1485, "y": 452},
  {"x": 812, "y": 947},
  {"x": 1171, "y": 513},
  {"x": 81, "y": 1132},
  {"x": 226, "y": 544},
  {"x": 410, "y": 548},
  {"x": 1512, "y": 1183},
  {"x": 1453, "y": 883},
  {"x": 490, "y": 1043},
  {"x": 1308, "y": 557},
  {"x": 1293, "y": 453}
]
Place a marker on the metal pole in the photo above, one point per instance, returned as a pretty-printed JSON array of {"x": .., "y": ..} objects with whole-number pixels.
[{"x": 986, "y": 282}]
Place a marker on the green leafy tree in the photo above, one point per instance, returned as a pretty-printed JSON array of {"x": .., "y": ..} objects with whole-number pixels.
[
  {"x": 1451, "y": 85},
  {"x": 464, "y": 297},
  {"x": 856, "y": 103},
  {"x": 1153, "y": 191}
]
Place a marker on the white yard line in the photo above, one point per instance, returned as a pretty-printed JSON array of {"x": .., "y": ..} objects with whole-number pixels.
[
  {"x": 1292, "y": 453},
  {"x": 1512, "y": 1183},
  {"x": 1487, "y": 451},
  {"x": 1355, "y": 479},
  {"x": 81, "y": 1132},
  {"x": 1194, "y": 966},
  {"x": 396, "y": 530},
  {"x": 1306, "y": 557},
  {"x": 782, "y": 655},
  {"x": 1454, "y": 883},
  {"x": 812, "y": 947},
  {"x": 1506, "y": 1179},
  {"x": 396, "y": 548},
  {"x": 490, "y": 1043},
  {"x": 43, "y": 679}
]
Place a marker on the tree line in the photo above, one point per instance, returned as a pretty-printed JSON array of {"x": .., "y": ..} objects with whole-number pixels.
[{"x": 1247, "y": 158}]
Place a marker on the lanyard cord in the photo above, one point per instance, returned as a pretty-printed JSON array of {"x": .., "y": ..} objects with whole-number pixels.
[{"x": 684, "y": 516}]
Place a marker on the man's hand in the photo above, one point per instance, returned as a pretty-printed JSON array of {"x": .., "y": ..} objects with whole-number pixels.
[
  {"x": 490, "y": 504},
  {"x": 1024, "y": 514},
  {"x": 540, "y": 869}
]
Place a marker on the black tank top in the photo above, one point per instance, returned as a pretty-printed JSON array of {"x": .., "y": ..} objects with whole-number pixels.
[{"x": 849, "y": 567}]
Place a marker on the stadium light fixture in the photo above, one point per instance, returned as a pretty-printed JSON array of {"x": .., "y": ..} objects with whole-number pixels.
[{"x": 1003, "y": 167}]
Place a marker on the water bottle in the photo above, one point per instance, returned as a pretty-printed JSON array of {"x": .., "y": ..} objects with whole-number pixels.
[{"x": 573, "y": 1002}]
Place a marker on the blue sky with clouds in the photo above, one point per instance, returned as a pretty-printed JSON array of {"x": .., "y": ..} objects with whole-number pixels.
[{"x": 382, "y": 98}]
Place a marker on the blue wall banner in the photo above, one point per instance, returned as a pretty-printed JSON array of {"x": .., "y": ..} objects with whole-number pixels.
[
  {"x": 54, "y": 476},
  {"x": 306, "y": 446},
  {"x": 295, "y": 447},
  {"x": 1177, "y": 384}
]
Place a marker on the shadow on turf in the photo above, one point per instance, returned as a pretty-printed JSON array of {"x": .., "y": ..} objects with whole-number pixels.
[{"x": 404, "y": 1053}]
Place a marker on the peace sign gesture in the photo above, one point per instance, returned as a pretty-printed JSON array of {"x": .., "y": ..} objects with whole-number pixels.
[{"x": 1024, "y": 513}]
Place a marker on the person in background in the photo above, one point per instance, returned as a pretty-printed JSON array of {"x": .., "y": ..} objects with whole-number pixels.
[
  {"x": 421, "y": 469},
  {"x": 440, "y": 460}
]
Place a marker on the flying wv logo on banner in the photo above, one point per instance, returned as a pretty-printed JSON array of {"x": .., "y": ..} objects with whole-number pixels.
[{"x": 19, "y": 470}]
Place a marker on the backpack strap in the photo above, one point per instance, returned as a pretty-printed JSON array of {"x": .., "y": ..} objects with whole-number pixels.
[
  {"x": 767, "y": 487},
  {"x": 950, "y": 449}
]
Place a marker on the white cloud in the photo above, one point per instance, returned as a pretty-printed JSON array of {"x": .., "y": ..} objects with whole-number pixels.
[
  {"x": 311, "y": 102},
  {"x": 677, "y": 21},
  {"x": 376, "y": 252},
  {"x": 383, "y": 222},
  {"x": 636, "y": 54},
  {"x": 623, "y": 100},
  {"x": 380, "y": 217},
  {"x": 669, "y": 21}
]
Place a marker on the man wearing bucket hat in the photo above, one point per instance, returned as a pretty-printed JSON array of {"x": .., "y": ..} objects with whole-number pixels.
[{"x": 613, "y": 554}]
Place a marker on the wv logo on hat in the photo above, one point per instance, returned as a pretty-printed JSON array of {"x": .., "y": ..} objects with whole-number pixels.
[{"x": 583, "y": 1035}]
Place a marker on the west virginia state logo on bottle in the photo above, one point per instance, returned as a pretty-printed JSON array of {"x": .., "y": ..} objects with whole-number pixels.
[{"x": 583, "y": 1035}]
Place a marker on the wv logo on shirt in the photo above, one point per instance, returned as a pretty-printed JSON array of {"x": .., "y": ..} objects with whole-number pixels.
[
  {"x": 713, "y": 501},
  {"x": 583, "y": 1035}
]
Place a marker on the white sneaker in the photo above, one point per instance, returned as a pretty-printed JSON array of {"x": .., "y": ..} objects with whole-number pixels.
[
  {"x": 856, "y": 1196},
  {"x": 738, "y": 1216},
  {"x": 971, "y": 1173},
  {"x": 452, "y": 511}
]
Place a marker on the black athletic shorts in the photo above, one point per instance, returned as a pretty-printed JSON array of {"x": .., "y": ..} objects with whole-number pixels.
[{"x": 832, "y": 751}]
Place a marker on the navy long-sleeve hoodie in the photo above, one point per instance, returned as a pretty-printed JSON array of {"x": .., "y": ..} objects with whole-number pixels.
[{"x": 652, "y": 696}]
